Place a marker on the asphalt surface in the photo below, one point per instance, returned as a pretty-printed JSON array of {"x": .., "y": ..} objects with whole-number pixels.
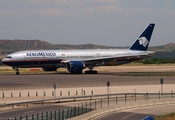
[
  {"x": 139, "y": 113},
  {"x": 35, "y": 110},
  {"x": 46, "y": 80},
  {"x": 41, "y": 81}
]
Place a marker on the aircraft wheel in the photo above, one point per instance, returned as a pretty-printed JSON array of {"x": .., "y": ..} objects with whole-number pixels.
[
  {"x": 76, "y": 72},
  {"x": 17, "y": 73},
  {"x": 91, "y": 72},
  {"x": 95, "y": 72},
  {"x": 86, "y": 72}
]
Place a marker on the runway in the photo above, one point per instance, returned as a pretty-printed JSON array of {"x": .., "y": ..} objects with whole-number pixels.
[{"x": 46, "y": 80}]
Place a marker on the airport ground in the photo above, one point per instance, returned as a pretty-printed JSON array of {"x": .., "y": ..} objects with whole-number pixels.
[
  {"x": 125, "y": 78},
  {"x": 118, "y": 76},
  {"x": 150, "y": 69},
  {"x": 140, "y": 113},
  {"x": 132, "y": 76}
]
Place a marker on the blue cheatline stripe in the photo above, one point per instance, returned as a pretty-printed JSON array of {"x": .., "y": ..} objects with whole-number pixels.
[{"x": 32, "y": 62}]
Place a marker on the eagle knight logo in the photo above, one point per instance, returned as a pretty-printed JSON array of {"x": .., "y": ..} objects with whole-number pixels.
[{"x": 143, "y": 41}]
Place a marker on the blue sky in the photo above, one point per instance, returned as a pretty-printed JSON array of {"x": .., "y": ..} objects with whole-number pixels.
[{"x": 102, "y": 22}]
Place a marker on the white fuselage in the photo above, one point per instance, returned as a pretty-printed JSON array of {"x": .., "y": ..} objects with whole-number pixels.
[{"x": 57, "y": 58}]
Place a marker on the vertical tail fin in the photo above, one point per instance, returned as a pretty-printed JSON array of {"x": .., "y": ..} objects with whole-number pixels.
[{"x": 143, "y": 41}]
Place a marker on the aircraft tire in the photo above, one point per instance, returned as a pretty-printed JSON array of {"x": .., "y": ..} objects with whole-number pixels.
[
  {"x": 17, "y": 73},
  {"x": 79, "y": 72},
  {"x": 91, "y": 72}
]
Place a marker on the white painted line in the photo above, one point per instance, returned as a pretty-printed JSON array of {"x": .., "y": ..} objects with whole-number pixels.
[
  {"x": 29, "y": 112},
  {"x": 127, "y": 116}
]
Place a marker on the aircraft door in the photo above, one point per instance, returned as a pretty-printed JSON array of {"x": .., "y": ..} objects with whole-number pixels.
[
  {"x": 23, "y": 57},
  {"x": 96, "y": 55}
]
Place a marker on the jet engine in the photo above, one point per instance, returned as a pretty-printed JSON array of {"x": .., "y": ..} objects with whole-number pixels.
[
  {"x": 49, "y": 68},
  {"x": 75, "y": 67}
]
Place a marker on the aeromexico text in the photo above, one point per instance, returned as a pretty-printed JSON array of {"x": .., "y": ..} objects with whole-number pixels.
[{"x": 38, "y": 54}]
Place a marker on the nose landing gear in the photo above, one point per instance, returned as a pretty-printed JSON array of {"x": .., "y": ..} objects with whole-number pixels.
[{"x": 17, "y": 70}]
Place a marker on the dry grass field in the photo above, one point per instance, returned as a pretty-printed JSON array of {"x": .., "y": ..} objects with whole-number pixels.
[
  {"x": 128, "y": 68},
  {"x": 139, "y": 68}
]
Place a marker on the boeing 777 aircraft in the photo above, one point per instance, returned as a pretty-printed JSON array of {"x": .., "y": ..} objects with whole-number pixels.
[{"x": 77, "y": 60}]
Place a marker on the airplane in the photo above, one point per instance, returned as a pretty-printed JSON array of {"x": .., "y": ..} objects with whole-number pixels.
[{"x": 77, "y": 60}]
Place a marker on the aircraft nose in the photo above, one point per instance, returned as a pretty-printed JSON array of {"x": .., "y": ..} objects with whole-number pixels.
[
  {"x": 6, "y": 61},
  {"x": 3, "y": 60}
]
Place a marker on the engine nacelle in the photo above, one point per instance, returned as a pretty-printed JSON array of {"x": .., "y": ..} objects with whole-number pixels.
[
  {"x": 49, "y": 68},
  {"x": 75, "y": 67}
]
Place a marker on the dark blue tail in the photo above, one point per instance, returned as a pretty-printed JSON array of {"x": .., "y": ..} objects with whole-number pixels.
[{"x": 143, "y": 41}]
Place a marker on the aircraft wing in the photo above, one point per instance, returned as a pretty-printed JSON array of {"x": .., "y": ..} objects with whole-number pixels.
[{"x": 128, "y": 56}]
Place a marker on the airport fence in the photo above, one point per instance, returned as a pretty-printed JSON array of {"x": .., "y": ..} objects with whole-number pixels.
[
  {"x": 99, "y": 102},
  {"x": 44, "y": 93}
]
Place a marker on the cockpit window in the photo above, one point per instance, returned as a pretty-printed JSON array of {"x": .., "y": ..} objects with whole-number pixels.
[{"x": 8, "y": 57}]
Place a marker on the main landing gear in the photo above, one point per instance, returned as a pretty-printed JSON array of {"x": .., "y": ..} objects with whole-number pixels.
[{"x": 91, "y": 71}]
